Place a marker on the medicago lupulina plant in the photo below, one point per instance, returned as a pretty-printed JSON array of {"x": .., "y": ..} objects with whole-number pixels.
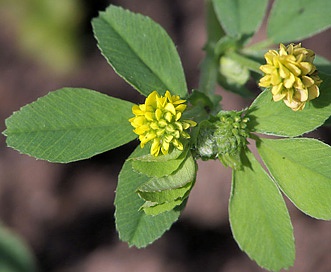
[{"x": 175, "y": 127}]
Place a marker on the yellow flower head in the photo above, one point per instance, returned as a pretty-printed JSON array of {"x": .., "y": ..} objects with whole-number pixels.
[
  {"x": 291, "y": 75},
  {"x": 158, "y": 120}
]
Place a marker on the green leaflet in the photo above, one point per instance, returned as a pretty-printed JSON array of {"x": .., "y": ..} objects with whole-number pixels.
[
  {"x": 133, "y": 225},
  {"x": 14, "y": 255},
  {"x": 158, "y": 168},
  {"x": 275, "y": 118},
  {"x": 302, "y": 168},
  {"x": 184, "y": 174},
  {"x": 165, "y": 195},
  {"x": 173, "y": 155},
  {"x": 163, "y": 201},
  {"x": 297, "y": 19},
  {"x": 140, "y": 51},
  {"x": 152, "y": 208},
  {"x": 259, "y": 218},
  {"x": 70, "y": 124},
  {"x": 240, "y": 17}
]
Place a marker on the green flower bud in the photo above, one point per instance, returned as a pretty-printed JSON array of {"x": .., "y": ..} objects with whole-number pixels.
[{"x": 223, "y": 138}]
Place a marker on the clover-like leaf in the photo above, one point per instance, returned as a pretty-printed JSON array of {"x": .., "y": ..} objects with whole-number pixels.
[
  {"x": 152, "y": 208},
  {"x": 134, "y": 225},
  {"x": 240, "y": 17},
  {"x": 163, "y": 201},
  {"x": 165, "y": 195},
  {"x": 302, "y": 168},
  {"x": 158, "y": 168},
  {"x": 70, "y": 124},
  {"x": 140, "y": 51},
  {"x": 183, "y": 175},
  {"x": 296, "y": 20},
  {"x": 259, "y": 218}
]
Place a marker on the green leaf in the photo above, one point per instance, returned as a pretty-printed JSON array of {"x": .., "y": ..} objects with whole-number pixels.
[
  {"x": 297, "y": 19},
  {"x": 302, "y": 168},
  {"x": 140, "y": 51},
  {"x": 240, "y": 17},
  {"x": 259, "y": 218},
  {"x": 185, "y": 174},
  {"x": 275, "y": 118},
  {"x": 133, "y": 225},
  {"x": 158, "y": 168},
  {"x": 69, "y": 125},
  {"x": 150, "y": 208},
  {"x": 174, "y": 154},
  {"x": 14, "y": 255},
  {"x": 165, "y": 195}
]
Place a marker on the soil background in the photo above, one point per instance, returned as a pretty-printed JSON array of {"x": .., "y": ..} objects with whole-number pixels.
[{"x": 65, "y": 212}]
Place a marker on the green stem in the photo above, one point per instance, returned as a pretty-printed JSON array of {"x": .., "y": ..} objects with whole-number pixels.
[
  {"x": 245, "y": 61},
  {"x": 209, "y": 66}
]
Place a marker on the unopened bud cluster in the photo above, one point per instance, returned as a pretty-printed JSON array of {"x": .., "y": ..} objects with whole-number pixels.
[{"x": 223, "y": 138}]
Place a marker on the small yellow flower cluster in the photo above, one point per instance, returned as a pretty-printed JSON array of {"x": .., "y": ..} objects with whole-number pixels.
[
  {"x": 291, "y": 74},
  {"x": 158, "y": 120}
]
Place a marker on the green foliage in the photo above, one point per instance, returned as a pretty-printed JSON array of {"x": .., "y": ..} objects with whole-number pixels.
[
  {"x": 69, "y": 125},
  {"x": 259, "y": 219},
  {"x": 184, "y": 174},
  {"x": 134, "y": 226},
  {"x": 140, "y": 51},
  {"x": 302, "y": 169},
  {"x": 240, "y": 17},
  {"x": 298, "y": 19},
  {"x": 152, "y": 208},
  {"x": 158, "y": 169},
  {"x": 14, "y": 255},
  {"x": 165, "y": 193},
  {"x": 73, "y": 124}
]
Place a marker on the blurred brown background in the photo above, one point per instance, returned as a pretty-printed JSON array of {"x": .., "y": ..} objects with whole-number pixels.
[{"x": 65, "y": 212}]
